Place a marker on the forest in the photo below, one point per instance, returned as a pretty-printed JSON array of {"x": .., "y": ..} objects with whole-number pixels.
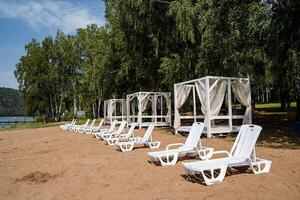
[
  {"x": 11, "y": 102},
  {"x": 148, "y": 45}
]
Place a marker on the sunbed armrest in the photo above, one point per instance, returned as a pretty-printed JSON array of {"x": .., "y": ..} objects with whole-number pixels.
[
  {"x": 175, "y": 144},
  {"x": 222, "y": 152}
]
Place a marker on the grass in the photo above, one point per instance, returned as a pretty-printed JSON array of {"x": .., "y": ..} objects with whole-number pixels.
[{"x": 272, "y": 105}]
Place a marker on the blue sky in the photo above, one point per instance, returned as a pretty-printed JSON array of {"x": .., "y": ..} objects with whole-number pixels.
[{"x": 22, "y": 20}]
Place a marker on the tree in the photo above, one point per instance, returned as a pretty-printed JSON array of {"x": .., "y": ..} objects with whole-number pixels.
[{"x": 283, "y": 48}]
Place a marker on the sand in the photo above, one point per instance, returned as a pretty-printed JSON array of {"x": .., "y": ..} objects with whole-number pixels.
[{"x": 48, "y": 163}]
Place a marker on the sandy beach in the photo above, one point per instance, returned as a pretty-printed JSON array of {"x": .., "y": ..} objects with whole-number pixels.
[{"x": 48, "y": 163}]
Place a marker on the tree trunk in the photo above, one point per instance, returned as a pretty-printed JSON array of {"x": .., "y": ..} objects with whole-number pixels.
[
  {"x": 94, "y": 109},
  {"x": 298, "y": 109},
  {"x": 99, "y": 108},
  {"x": 283, "y": 100},
  {"x": 51, "y": 106},
  {"x": 75, "y": 106},
  {"x": 60, "y": 107}
]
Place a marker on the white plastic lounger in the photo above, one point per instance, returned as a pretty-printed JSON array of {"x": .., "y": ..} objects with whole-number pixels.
[
  {"x": 120, "y": 130},
  {"x": 82, "y": 129},
  {"x": 170, "y": 156},
  {"x": 242, "y": 154},
  {"x": 146, "y": 140},
  {"x": 66, "y": 126},
  {"x": 63, "y": 125},
  {"x": 112, "y": 139},
  {"x": 76, "y": 127},
  {"x": 94, "y": 129},
  {"x": 110, "y": 129}
]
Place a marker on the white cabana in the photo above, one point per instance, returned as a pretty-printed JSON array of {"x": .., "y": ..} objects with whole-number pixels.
[
  {"x": 158, "y": 104},
  {"x": 211, "y": 91},
  {"x": 114, "y": 109}
]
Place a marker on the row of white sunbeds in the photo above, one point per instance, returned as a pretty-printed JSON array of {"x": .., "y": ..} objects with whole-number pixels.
[{"x": 212, "y": 170}]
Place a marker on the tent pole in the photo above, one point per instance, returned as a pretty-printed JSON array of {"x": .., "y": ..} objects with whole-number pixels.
[
  {"x": 128, "y": 109},
  {"x": 194, "y": 105},
  {"x": 229, "y": 104},
  {"x": 155, "y": 107},
  {"x": 140, "y": 111},
  {"x": 175, "y": 102},
  {"x": 161, "y": 108},
  {"x": 250, "y": 105},
  {"x": 207, "y": 97}
]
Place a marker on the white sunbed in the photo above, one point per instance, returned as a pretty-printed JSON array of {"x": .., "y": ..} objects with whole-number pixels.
[
  {"x": 110, "y": 129},
  {"x": 66, "y": 126},
  {"x": 82, "y": 129},
  {"x": 112, "y": 139},
  {"x": 120, "y": 129},
  {"x": 76, "y": 127},
  {"x": 241, "y": 154},
  {"x": 146, "y": 140},
  {"x": 190, "y": 148},
  {"x": 94, "y": 129}
]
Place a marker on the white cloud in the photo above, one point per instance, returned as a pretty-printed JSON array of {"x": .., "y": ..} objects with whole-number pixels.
[{"x": 58, "y": 14}]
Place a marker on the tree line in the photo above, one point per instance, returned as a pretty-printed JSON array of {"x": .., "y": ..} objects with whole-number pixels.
[
  {"x": 151, "y": 44},
  {"x": 11, "y": 102}
]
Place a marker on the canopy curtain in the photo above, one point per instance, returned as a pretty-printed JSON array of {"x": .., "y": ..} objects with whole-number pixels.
[
  {"x": 241, "y": 90},
  {"x": 154, "y": 105},
  {"x": 112, "y": 107},
  {"x": 144, "y": 101},
  {"x": 183, "y": 92},
  {"x": 168, "y": 104},
  {"x": 132, "y": 106},
  {"x": 123, "y": 102},
  {"x": 216, "y": 94}
]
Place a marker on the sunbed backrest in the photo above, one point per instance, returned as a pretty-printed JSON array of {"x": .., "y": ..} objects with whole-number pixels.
[
  {"x": 122, "y": 126},
  {"x": 101, "y": 123},
  {"x": 148, "y": 132},
  {"x": 87, "y": 122},
  {"x": 245, "y": 141},
  {"x": 113, "y": 125},
  {"x": 194, "y": 134},
  {"x": 131, "y": 129},
  {"x": 93, "y": 122}
]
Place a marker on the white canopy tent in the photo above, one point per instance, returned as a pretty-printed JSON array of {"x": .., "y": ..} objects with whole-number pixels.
[
  {"x": 137, "y": 103},
  {"x": 211, "y": 91},
  {"x": 114, "y": 109}
]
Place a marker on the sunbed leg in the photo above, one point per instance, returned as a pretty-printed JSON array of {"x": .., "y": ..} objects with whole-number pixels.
[
  {"x": 165, "y": 159},
  {"x": 261, "y": 166},
  {"x": 154, "y": 144},
  {"x": 212, "y": 179},
  {"x": 126, "y": 146},
  {"x": 112, "y": 141},
  {"x": 206, "y": 153}
]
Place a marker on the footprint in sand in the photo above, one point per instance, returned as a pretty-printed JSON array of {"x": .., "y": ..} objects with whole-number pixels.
[{"x": 36, "y": 177}]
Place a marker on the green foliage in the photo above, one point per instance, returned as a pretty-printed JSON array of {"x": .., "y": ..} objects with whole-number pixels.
[
  {"x": 150, "y": 45},
  {"x": 11, "y": 102}
]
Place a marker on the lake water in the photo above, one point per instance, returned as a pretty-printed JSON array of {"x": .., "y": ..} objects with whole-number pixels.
[{"x": 6, "y": 122}]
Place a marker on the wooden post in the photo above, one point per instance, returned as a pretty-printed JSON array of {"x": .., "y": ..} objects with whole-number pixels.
[
  {"x": 207, "y": 101},
  {"x": 229, "y": 104}
]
